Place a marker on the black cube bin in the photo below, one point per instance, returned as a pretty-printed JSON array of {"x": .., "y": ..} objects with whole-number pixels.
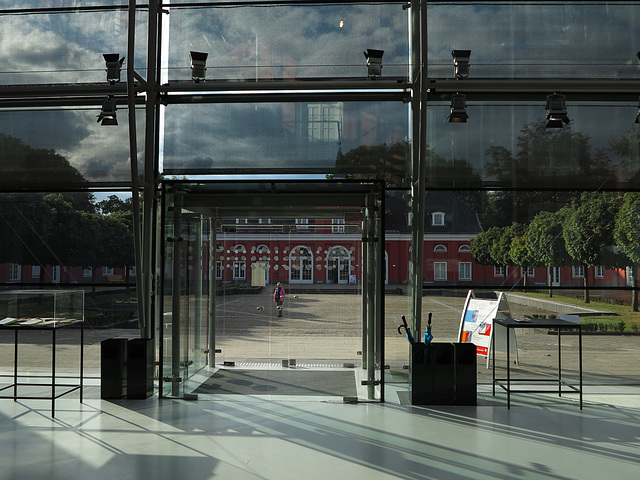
[
  {"x": 113, "y": 368},
  {"x": 432, "y": 374},
  {"x": 466, "y": 374},
  {"x": 140, "y": 366}
]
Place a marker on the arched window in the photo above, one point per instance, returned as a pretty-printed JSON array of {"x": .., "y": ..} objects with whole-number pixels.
[
  {"x": 262, "y": 248},
  {"x": 440, "y": 248},
  {"x": 301, "y": 265},
  {"x": 338, "y": 265},
  {"x": 464, "y": 249},
  {"x": 239, "y": 249}
]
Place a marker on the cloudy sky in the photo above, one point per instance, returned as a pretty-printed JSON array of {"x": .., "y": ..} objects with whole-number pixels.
[{"x": 564, "y": 41}]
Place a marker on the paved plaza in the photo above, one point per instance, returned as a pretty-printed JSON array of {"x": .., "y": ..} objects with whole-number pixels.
[{"x": 326, "y": 328}]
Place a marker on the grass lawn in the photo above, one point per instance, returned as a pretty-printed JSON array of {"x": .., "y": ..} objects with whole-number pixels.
[{"x": 623, "y": 313}]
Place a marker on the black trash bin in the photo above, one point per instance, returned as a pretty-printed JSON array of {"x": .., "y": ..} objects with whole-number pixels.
[
  {"x": 443, "y": 374},
  {"x": 432, "y": 374},
  {"x": 466, "y": 377},
  {"x": 140, "y": 367},
  {"x": 113, "y": 368}
]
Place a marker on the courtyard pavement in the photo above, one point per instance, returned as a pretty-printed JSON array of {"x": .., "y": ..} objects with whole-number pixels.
[{"x": 326, "y": 329}]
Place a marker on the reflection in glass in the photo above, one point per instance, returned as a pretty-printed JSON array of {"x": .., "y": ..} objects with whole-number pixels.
[
  {"x": 288, "y": 41},
  {"x": 367, "y": 139},
  {"x": 66, "y": 147},
  {"x": 65, "y": 46},
  {"x": 516, "y": 40},
  {"x": 507, "y": 145}
]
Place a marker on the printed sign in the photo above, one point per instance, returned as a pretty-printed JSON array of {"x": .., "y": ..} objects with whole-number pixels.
[{"x": 476, "y": 324}]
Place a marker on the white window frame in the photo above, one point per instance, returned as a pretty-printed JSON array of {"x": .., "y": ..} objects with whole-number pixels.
[
  {"x": 35, "y": 271},
  {"x": 15, "y": 272},
  {"x": 218, "y": 269},
  {"x": 87, "y": 272},
  {"x": 598, "y": 271},
  {"x": 440, "y": 248},
  {"x": 531, "y": 271},
  {"x": 106, "y": 271},
  {"x": 499, "y": 271},
  {"x": 239, "y": 270},
  {"x": 577, "y": 271},
  {"x": 438, "y": 219},
  {"x": 440, "y": 271},
  {"x": 463, "y": 269},
  {"x": 464, "y": 249}
]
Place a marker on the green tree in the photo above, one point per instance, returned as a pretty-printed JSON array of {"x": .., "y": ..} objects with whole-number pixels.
[
  {"x": 22, "y": 165},
  {"x": 588, "y": 229},
  {"x": 26, "y": 221},
  {"x": 546, "y": 243},
  {"x": 627, "y": 236},
  {"x": 520, "y": 253},
  {"x": 482, "y": 246}
]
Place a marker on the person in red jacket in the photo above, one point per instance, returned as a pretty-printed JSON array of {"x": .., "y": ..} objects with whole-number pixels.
[{"x": 278, "y": 297}]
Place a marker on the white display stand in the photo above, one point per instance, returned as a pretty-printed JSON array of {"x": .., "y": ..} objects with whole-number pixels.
[{"x": 477, "y": 326}]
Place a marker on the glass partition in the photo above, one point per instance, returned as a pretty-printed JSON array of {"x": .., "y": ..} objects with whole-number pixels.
[
  {"x": 356, "y": 138},
  {"x": 64, "y": 148},
  {"x": 549, "y": 40},
  {"x": 229, "y": 247},
  {"x": 281, "y": 41},
  {"x": 64, "y": 43},
  {"x": 507, "y": 145}
]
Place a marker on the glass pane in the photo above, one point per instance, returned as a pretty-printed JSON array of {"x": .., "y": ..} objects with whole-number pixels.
[
  {"x": 65, "y": 241},
  {"x": 65, "y": 46},
  {"x": 258, "y": 249},
  {"x": 64, "y": 148},
  {"x": 520, "y": 40},
  {"x": 276, "y": 41},
  {"x": 507, "y": 145},
  {"x": 369, "y": 139},
  {"x": 552, "y": 253}
]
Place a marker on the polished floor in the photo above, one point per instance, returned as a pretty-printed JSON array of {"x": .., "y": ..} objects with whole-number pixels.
[{"x": 269, "y": 437}]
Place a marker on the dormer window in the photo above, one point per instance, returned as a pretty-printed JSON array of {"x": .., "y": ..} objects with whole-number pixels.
[{"x": 437, "y": 219}]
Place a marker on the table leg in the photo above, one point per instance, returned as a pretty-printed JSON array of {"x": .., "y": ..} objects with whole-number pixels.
[
  {"x": 15, "y": 365},
  {"x": 580, "y": 360},
  {"x": 559, "y": 362},
  {"x": 53, "y": 373},
  {"x": 81, "y": 358},
  {"x": 508, "y": 372},
  {"x": 493, "y": 354}
]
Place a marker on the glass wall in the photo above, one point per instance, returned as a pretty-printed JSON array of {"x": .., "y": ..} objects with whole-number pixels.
[
  {"x": 550, "y": 40},
  {"x": 287, "y": 94},
  {"x": 338, "y": 138},
  {"x": 286, "y": 41}
]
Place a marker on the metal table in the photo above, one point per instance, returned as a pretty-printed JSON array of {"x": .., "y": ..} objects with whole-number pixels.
[
  {"x": 53, "y": 328},
  {"x": 563, "y": 386}
]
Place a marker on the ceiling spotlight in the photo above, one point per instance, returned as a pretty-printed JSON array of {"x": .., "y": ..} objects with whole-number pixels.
[
  {"x": 458, "y": 109},
  {"x": 374, "y": 62},
  {"x": 198, "y": 65},
  {"x": 114, "y": 65},
  {"x": 556, "y": 111},
  {"x": 461, "y": 63},
  {"x": 108, "y": 113}
]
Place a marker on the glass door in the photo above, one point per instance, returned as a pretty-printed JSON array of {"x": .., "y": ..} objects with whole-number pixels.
[
  {"x": 184, "y": 332},
  {"x": 254, "y": 244}
]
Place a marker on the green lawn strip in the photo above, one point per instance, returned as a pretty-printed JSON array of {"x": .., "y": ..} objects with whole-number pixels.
[{"x": 624, "y": 314}]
